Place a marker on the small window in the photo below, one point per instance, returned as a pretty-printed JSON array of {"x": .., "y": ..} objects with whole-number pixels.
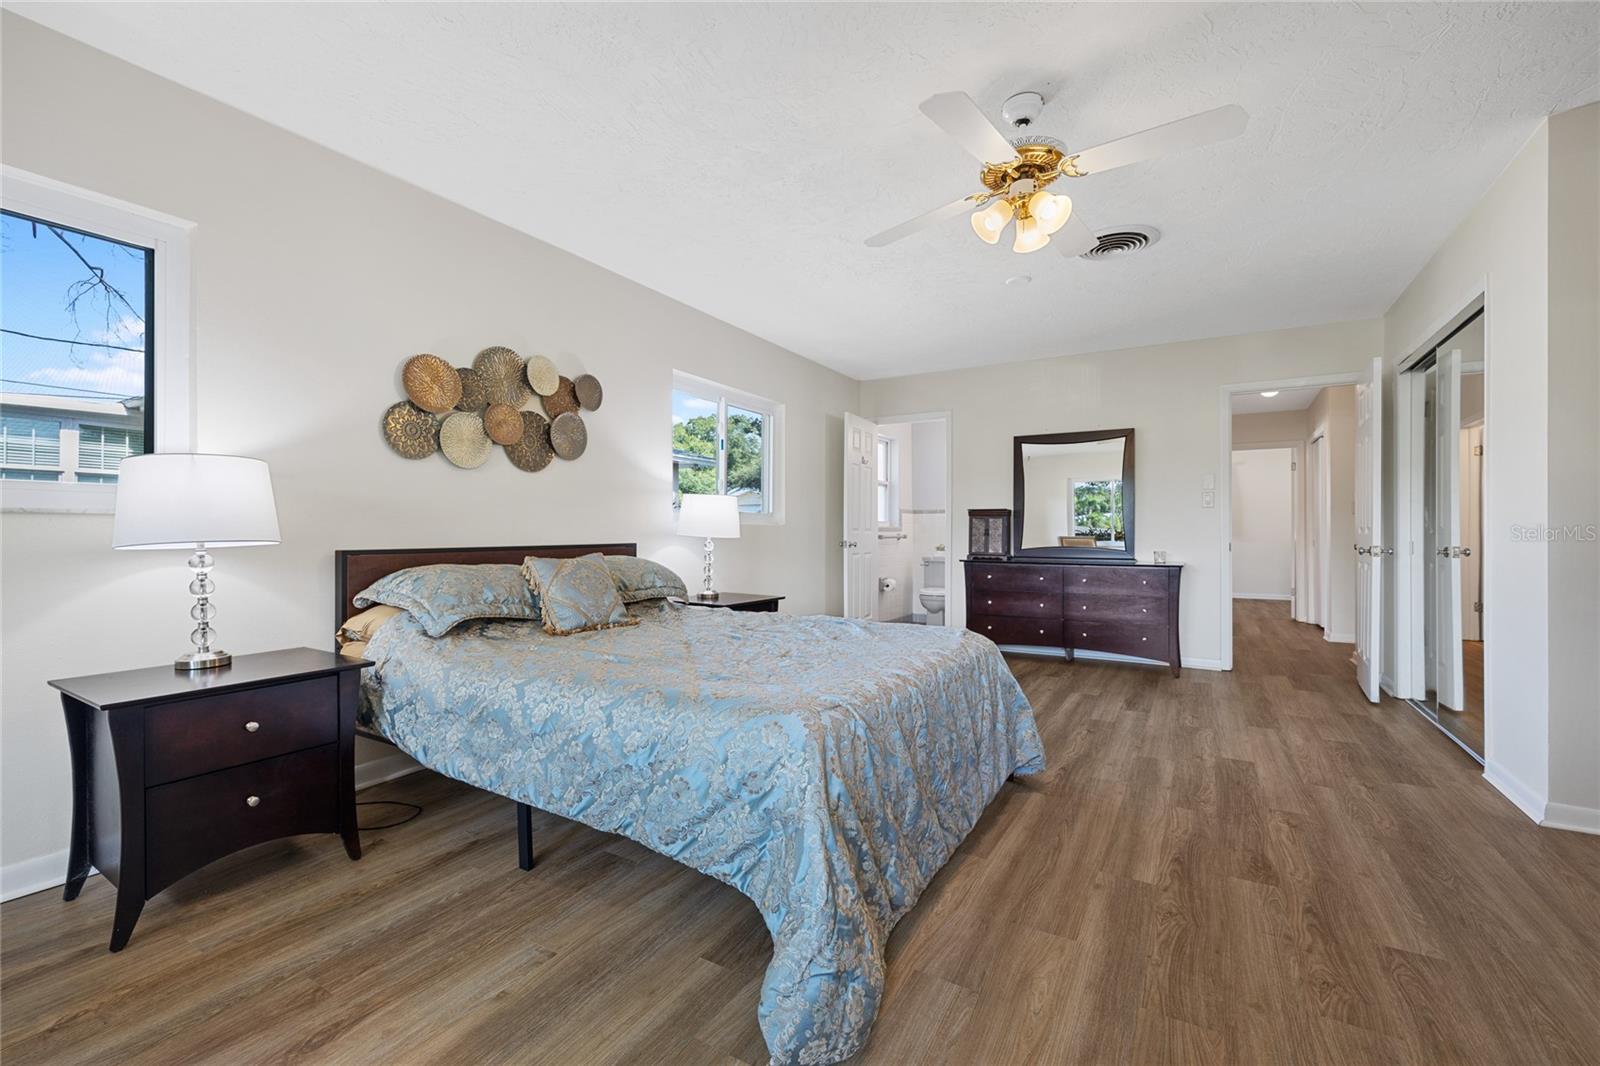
[
  {"x": 726, "y": 442},
  {"x": 77, "y": 347},
  {"x": 93, "y": 342},
  {"x": 888, "y": 483},
  {"x": 1097, "y": 511}
]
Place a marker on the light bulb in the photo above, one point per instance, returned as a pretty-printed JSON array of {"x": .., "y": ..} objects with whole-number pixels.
[
  {"x": 1270, "y": 395},
  {"x": 1030, "y": 237},
  {"x": 989, "y": 223},
  {"x": 1050, "y": 210}
]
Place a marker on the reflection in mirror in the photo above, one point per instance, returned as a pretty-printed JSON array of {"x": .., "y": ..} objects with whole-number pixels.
[{"x": 1074, "y": 495}]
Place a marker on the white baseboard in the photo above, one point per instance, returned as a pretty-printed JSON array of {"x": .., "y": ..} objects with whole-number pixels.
[
  {"x": 377, "y": 771},
  {"x": 44, "y": 872},
  {"x": 1526, "y": 800},
  {"x": 1575, "y": 819},
  {"x": 1106, "y": 656},
  {"x": 1284, "y": 596},
  {"x": 38, "y": 874},
  {"x": 1339, "y": 638},
  {"x": 1386, "y": 683}
]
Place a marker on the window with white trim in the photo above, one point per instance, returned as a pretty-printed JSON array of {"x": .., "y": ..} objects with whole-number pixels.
[
  {"x": 727, "y": 442},
  {"x": 888, "y": 483},
  {"x": 94, "y": 325}
]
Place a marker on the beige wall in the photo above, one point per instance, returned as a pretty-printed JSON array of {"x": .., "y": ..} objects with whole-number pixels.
[
  {"x": 314, "y": 278},
  {"x": 1170, "y": 394},
  {"x": 1574, "y": 417},
  {"x": 1529, "y": 248},
  {"x": 1270, "y": 427}
]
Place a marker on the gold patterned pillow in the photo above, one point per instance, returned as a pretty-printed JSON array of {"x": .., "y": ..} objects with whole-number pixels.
[{"x": 576, "y": 595}]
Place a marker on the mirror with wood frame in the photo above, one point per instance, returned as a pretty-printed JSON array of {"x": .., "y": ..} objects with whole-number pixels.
[{"x": 1073, "y": 495}]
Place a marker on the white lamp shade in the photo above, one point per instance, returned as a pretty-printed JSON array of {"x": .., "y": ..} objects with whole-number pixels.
[
  {"x": 178, "y": 500},
  {"x": 708, "y": 516}
]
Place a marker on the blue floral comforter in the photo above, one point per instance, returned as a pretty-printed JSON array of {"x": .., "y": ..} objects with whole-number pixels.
[{"x": 825, "y": 768}]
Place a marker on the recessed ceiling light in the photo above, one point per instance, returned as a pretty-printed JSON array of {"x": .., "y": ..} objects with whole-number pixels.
[
  {"x": 1269, "y": 395},
  {"x": 1019, "y": 279}
]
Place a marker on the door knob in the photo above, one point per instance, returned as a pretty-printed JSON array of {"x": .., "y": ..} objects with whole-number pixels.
[
  {"x": 1454, "y": 552},
  {"x": 1361, "y": 549}
]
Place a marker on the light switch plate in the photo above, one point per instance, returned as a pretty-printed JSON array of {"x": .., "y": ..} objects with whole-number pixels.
[
  {"x": 1208, "y": 499},
  {"x": 1208, "y": 482}
]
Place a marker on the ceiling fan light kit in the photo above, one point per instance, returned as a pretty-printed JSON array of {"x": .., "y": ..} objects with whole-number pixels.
[{"x": 1015, "y": 186}]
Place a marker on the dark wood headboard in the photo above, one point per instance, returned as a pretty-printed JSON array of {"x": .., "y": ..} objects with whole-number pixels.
[{"x": 356, "y": 568}]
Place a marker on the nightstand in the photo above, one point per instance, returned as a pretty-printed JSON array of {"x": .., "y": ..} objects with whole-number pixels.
[
  {"x": 172, "y": 770},
  {"x": 735, "y": 601}
]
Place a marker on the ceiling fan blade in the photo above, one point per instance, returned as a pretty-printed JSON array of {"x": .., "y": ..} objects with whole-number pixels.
[
  {"x": 1208, "y": 127},
  {"x": 1074, "y": 238},
  {"x": 957, "y": 115},
  {"x": 921, "y": 222}
]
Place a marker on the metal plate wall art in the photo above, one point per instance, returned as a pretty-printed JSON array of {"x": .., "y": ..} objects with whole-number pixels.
[
  {"x": 504, "y": 376},
  {"x": 502, "y": 423},
  {"x": 473, "y": 395},
  {"x": 431, "y": 383},
  {"x": 563, "y": 401},
  {"x": 464, "y": 412},
  {"x": 463, "y": 441},
  {"x": 587, "y": 388},
  {"x": 542, "y": 375},
  {"x": 568, "y": 435},
  {"x": 533, "y": 452},
  {"x": 411, "y": 431}
]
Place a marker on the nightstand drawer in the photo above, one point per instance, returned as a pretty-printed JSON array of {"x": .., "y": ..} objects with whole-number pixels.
[
  {"x": 201, "y": 735},
  {"x": 190, "y": 823}
]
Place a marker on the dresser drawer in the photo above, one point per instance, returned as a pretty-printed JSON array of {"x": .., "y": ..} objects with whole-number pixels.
[
  {"x": 1116, "y": 580},
  {"x": 201, "y": 735},
  {"x": 1019, "y": 604},
  {"x": 1135, "y": 607},
  {"x": 1008, "y": 577},
  {"x": 1040, "y": 631},
  {"x": 1122, "y": 638},
  {"x": 192, "y": 822}
]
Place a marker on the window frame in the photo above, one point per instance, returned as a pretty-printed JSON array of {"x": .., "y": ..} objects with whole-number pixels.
[
  {"x": 170, "y": 388},
  {"x": 888, "y": 480},
  {"x": 772, "y": 441}
]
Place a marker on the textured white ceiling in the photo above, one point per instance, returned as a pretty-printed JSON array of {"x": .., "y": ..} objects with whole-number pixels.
[{"x": 735, "y": 156}]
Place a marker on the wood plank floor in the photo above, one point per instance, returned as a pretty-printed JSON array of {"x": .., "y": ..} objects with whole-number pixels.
[{"x": 1255, "y": 867}]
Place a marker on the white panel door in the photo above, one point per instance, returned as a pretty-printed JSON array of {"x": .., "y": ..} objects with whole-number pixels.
[
  {"x": 1449, "y": 679},
  {"x": 1369, "y": 550},
  {"x": 860, "y": 541}
]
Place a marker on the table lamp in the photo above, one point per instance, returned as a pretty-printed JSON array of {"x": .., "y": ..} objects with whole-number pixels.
[
  {"x": 708, "y": 517},
  {"x": 195, "y": 502}
]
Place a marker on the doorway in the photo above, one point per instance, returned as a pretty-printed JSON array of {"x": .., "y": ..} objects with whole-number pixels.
[
  {"x": 897, "y": 518},
  {"x": 1448, "y": 418}
]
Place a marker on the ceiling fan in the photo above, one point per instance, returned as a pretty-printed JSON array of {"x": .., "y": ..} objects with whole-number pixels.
[{"x": 1016, "y": 175}]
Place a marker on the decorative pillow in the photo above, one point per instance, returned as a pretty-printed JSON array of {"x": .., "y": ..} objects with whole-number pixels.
[
  {"x": 642, "y": 579},
  {"x": 443, "y": 596},
  {"x": 360, "y": 627},
  {"x": 576, "y": 594}
]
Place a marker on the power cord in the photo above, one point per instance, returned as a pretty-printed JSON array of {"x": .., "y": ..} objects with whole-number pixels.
[{"x": 416, "y": 809}]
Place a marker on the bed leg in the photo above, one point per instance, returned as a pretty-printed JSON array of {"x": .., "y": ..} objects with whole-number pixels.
[{"x": 524, "y": 836}]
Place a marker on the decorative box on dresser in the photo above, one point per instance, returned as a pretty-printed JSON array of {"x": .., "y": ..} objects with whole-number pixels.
[
  {"x": 1122, "y": 608},
  {"x": 172, "y": 770}
]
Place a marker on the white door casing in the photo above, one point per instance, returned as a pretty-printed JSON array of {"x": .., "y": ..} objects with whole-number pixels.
[
  {"x": 1449, "y": 669},
  {"x": 1370, "y": 553},
  {"x": 860, "y": 543}
]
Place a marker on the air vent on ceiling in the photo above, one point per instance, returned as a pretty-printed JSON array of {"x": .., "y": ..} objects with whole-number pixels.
[{"x": 1124, "y": 240}]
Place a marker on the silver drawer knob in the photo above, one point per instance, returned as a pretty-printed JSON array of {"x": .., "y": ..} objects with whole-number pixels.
[
  {"x": 1083, "y": 634},
  {"x": 988, "y": 577},
  {"x": 990, "y": 602},
  {"x": 251, "y": 727},
  {"x": 1084, "y": 580},
  {"x": 1041, "y": 632},
  {"x": 1041, "y": 605},
  {"x": 1144, "y": 638},
  {"x": 1144, "y": 610},
  {"x": 252, "y": 801},
  {"x": 988, "y": 627},
  {"x": 1041, "y": 577},
  {"x": 1144, "y": 582}
]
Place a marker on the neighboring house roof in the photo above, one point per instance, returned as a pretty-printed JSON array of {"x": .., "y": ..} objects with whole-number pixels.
[{"x": 119, "y": 410}]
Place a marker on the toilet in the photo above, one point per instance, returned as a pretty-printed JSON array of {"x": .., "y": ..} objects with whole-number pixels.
[{"x": 931, "y": 594}]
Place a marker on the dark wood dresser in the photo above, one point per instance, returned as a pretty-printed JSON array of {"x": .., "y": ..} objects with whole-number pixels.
[
  {"x": 172, "y": 770},
  {"x": 1126, "y": 608}
]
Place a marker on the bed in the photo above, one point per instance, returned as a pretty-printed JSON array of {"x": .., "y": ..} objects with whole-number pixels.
[{"x": 823, "y": 767}]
